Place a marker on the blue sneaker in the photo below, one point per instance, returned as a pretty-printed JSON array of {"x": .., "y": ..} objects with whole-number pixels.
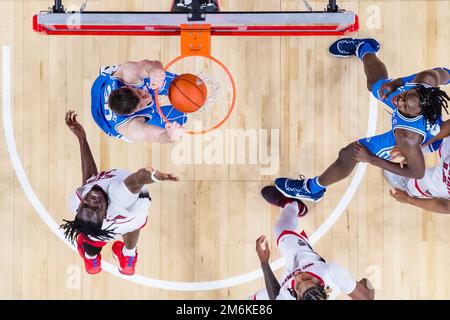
[
  {"x": 347, "y": 47},
  {"x": 297, "y": 189}
]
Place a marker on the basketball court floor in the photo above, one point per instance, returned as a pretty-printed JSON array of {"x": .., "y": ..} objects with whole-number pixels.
[{"x": 302, "y": 104}]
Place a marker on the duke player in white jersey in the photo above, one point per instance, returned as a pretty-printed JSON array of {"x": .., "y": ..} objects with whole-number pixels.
[
  {"x": 108, "y": 205},
  {"x": 123, "y": 103},
  {"x": 416, "y": 102},
  {"x": 307, "y": 275},
  {"x": 432, "y": 192}
]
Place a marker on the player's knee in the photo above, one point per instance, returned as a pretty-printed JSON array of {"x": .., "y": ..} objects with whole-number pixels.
[{"x": 346, "y": 153}]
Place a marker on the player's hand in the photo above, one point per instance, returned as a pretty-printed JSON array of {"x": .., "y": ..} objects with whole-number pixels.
[
  {"x": 399, "y": 195},
  {"x": 397, "y": 156},
  {"x": 366, "y": 283},
  {"x": 174, "y": 131},
  {"x": 262, "y": 249},
  {"x": 74, "y": 125},
  {"x": 362, "y": 154},
  {"x": 387, "y": 88},
  {"x": 161, "y": 176},
  {"x": 157, "y": 77}
]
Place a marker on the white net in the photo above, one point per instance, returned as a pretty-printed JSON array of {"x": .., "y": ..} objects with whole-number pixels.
[{"x": 220, "y": 92}]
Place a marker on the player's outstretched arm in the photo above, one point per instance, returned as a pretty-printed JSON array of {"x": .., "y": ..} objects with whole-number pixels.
[
  {"x": 435, "y": 77},
  {"x": 434, "y": 205},
  {"x": 137, "y": 180},
  {"x": 88, "y": 166},
  {"x": 363, "y": 291},
  {"x": 408, "y": 146},
  {"x": 137, "y": 130},
  {"x": 272, "y": 285}
]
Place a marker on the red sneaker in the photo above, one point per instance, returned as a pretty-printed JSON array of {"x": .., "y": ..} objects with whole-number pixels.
[
  {"x": 126, "y": 263},
  {"x": 92, "y": 266}
]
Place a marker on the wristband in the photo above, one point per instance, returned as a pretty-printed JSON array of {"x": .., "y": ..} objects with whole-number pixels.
[{"x": 153, "y": 177}]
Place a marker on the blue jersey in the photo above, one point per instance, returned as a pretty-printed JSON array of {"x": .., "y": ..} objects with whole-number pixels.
[
  {"x": 417, "y": 124},
  {"x": 382, "y": 144},
  {"x": 109, "y": 121}
]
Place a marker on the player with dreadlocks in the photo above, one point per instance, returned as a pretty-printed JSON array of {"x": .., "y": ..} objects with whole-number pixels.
[
  {"x": 307, "y": 276},
  {"x": 108, "y": 205},
  {"x": 416, "y": 102}
]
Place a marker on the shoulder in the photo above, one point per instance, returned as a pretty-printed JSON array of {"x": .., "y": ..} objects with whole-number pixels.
[
  {"x": 429, "y": 77},
  {"x": 129, "y": 73}
]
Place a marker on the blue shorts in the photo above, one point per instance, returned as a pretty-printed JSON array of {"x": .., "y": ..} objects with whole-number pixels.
[{"x": 382, "y": 145}]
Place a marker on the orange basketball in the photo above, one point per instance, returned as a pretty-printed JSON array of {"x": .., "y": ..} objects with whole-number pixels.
[{"x": 187, "y": 93}]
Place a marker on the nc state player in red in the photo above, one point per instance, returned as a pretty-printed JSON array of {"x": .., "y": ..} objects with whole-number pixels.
[
  {"x": 307, "y": 276},
  {"x": 108, "y": 205}
]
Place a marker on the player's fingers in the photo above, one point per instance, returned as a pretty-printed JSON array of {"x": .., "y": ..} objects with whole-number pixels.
[
  {"x": 260, "y": 239},
  {"x": 266, "y": 245},
  {"x": 391, "y": 193}
]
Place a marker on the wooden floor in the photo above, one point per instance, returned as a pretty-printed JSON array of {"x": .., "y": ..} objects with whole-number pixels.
[{"x": 204, "y": 227}]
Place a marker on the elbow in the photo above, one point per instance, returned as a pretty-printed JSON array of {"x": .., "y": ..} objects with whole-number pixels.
[{"x": 419, "y": 174}]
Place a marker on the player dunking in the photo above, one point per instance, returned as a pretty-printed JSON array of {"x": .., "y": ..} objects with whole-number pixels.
[
  {"x": 123, "y": 103},
  {"x": 307, "y": 276},
  {"x": 416, "y": 103},
  {"x": 108, "y": 205}
]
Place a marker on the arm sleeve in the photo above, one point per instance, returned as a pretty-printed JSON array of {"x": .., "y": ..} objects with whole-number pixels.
[
  {"x": 120, "y": 194},
  {"x": 342, "y": 278}
]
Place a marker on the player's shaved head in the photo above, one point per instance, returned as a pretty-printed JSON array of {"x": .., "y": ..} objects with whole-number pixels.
[{"x": 124, "y": 101}]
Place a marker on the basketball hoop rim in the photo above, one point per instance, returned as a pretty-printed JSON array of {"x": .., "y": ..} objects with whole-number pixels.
[{"x": 233, "y": 101}]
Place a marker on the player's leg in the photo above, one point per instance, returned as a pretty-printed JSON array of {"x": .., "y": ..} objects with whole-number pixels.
[
  {"x": 314, "y": 189},
  {"x": 292, "y": 209},
  {"x": 288, "y": 219},
  {"x": 130, "y": 240},
  {"x": 364, "y": 49},
  {"x": 338, "y": 170}
]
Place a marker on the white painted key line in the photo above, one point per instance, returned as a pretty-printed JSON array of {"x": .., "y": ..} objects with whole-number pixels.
[{"x": 150, "y": 282}]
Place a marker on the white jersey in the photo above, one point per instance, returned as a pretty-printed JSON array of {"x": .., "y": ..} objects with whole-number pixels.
[
  {"x": 126, "y": 211},
  {"x": 436, "y": 182},
  {"x": 300, "y": 256}
]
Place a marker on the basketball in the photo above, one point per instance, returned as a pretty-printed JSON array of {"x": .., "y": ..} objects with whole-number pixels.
[{"x": 187, "y": 93}]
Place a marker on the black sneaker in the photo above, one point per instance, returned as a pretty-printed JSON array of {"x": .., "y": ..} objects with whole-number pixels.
[{"x": 276, "y": 198}]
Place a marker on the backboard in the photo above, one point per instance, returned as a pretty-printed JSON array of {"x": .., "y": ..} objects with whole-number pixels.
[{"x": 331, "y": 21}]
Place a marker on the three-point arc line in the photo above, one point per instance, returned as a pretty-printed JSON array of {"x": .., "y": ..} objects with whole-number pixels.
[{"x": 150, "y": 282}]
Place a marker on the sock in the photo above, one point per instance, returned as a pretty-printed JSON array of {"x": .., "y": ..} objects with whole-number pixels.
[
  {"x": 314, "y": 186},
  {"x": 129, "y": 252},
  {"x": 364, "y": 49},
  {"x": 288, "y": 219},
  {"x": 89, "y": 257}
]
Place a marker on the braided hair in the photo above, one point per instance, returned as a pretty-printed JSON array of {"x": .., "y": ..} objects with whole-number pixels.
[
  {"x": 315, "y": 293},
  {"x": 432, "y": 100},
  {"x": 73, "y": 228}
]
